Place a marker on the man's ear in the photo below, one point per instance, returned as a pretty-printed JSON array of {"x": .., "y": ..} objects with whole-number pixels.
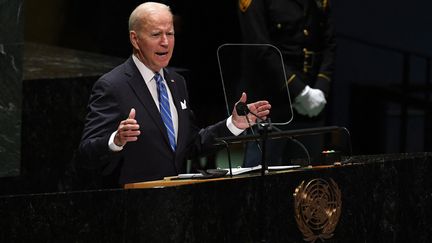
[{"x": 133, "y": 36}]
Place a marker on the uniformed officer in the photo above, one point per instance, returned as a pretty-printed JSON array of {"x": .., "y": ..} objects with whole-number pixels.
[{"x": 302, "y": 31}]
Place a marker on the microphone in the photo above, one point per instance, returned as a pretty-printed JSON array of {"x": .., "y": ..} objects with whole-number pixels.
[{"x": 242, "y": 109}]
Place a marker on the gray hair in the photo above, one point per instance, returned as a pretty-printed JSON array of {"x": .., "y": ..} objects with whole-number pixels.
[{"x": 144, "y": 10}]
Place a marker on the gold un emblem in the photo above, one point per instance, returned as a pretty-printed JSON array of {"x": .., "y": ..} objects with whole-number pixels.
[{"x": 317, "y": 206}]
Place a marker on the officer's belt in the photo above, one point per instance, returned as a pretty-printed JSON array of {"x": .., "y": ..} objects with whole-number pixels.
[{"x": 308, "y": 61}]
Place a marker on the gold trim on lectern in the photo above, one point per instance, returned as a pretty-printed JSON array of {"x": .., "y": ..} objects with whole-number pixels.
[{"x": 170, "y": 181}]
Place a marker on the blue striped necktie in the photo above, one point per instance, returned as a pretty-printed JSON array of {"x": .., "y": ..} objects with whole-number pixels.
[{"x": 165, "y": 109}]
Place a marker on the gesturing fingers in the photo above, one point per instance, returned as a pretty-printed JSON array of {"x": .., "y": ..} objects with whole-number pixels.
[
  {"x": 261, "y": 109},
  {"x": 129, "y": 135},
  {"x": 128, "y": 130},
  {"x": 132, "y": 114}
]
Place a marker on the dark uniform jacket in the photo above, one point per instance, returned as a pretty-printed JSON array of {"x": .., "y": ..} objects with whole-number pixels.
[{"x": 301, "y": 30}]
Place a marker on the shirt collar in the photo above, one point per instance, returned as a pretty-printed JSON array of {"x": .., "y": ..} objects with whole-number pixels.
[{"x": 146, "y": 73}]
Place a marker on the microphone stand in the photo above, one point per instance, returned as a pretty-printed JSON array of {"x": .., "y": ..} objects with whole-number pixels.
[
  {"x": 263, "y": 129},
  {"x": 291, "y": 134},
  {"x": 264, "y": 126}
]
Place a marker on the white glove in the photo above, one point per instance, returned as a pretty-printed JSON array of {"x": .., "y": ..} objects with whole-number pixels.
[{"x": 310, "y": 102}]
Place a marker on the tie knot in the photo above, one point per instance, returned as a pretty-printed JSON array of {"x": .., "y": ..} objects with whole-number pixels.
[{"x": 158, "y": 78}]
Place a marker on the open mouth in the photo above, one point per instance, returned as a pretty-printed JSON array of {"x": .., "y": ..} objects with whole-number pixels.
[{"x": 161, "y": 53}]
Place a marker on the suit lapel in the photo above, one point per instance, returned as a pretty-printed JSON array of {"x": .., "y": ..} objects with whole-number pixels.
[
  {"x": 172, "y": 85},
  {"x": 138, "y": 85}
]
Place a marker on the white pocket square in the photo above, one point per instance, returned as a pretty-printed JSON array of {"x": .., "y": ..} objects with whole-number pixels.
[{"x": 183, "y": 105}]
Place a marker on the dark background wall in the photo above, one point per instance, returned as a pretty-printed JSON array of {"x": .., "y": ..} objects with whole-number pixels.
[{"x": 381, "y": 70}]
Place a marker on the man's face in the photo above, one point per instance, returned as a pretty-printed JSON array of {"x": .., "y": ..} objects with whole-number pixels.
[{"x": 155, "y": 41}]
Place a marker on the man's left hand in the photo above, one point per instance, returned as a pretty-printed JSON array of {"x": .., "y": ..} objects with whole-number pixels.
[{"x": 259, "y": 108}]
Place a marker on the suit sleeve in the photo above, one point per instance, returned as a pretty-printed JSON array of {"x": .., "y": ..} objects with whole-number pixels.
[
  {"x": 102, "y": 120},
  {"x": 203, "y": 140}
]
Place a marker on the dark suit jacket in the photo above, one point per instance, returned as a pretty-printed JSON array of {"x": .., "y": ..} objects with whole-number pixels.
[{"x": 151, "y": 157}]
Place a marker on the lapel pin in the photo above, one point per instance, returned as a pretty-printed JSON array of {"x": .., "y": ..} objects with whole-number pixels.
[
  {"x": 172, "y": 80},
  {"x": 183, "y": 105}
]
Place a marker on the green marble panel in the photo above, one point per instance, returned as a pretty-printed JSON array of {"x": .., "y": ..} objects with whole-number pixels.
[{"x": 11, "y": 35}]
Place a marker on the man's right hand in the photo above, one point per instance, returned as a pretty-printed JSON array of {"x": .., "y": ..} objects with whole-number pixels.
[{"x": 128, "y": 130}]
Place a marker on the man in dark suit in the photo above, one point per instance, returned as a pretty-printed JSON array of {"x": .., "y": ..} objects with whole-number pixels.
[
  {"x": 139, "y": 123},
  {"x": 303, "y": 32}
]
